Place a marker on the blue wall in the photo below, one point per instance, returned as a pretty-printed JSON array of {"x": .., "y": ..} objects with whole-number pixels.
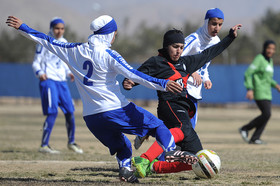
[{"x": 19, "y": 80}]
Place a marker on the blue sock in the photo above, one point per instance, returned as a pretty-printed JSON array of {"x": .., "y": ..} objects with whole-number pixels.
[
  {"x": 47, "y": 129},
  {"x": 165, "y": 138},
  {"x": 70, "y": 125},
  {"x": 124, "y": 154}
]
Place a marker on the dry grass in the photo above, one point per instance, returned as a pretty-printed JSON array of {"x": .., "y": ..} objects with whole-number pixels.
[{"x": 21, "y": 164}]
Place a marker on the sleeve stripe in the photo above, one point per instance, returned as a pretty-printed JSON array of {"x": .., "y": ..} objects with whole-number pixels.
[
  {"x": 146, "y": 77},
  {"x": 51, "y": 40},
  {"x": 37, "y": 72},
  {"x": 189, "y": 40}
]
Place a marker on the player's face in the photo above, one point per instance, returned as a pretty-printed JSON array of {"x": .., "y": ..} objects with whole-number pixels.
[
  {"x": 175, "y": 51},
  {"x": 270, "y": 50},
  {"x": 214, "y": 26},
  {"x": 58, "y": 30},
  {"x": 114, "y": 37}
]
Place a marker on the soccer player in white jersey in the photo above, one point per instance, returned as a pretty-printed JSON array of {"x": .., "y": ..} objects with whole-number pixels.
[
  {"x": 52, "y": 73},
  {"x": 203, "y": 38},
  {"x": 106, "y": 111}
]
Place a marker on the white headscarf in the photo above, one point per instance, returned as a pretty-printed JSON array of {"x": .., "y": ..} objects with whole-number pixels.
[
  {"x": 100, "y": 39},
  {"x": 203, "y": 32}
]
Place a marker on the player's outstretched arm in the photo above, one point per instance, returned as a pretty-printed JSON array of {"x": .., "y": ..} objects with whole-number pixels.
[
  {"x": 60, "y": 49},
  {"x": 171, "y": 86},
  {"x": 195, "y": 62},
  {"x": 14, "y": 22}
]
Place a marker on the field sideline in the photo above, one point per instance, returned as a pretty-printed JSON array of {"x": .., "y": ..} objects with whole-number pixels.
[{"x": 21, "y": 164}]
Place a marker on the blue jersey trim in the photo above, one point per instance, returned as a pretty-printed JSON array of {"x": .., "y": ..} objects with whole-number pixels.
[
  {"x": 39, "y": 49},
  {"x": 51, "y": 40},
  {"x": 37, "y": 72},
  {"x": 187, "y": 39},
  {"x": 121, "y": 61}
]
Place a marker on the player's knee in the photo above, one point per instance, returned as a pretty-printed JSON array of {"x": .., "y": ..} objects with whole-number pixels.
[
  {"x": 266, "y": 115},
  {"x": 177, "y": 134}
]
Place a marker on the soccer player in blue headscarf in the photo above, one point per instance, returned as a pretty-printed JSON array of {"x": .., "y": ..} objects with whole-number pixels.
[{"x": 52, "y": 73}]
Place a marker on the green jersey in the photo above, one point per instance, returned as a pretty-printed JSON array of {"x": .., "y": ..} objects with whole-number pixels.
[{"x": 259, "y": 78}]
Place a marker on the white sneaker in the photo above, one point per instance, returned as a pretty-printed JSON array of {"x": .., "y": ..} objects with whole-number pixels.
[
  {"x": 75, "y": 147},
  {"x": 244, "y": 135},
  {"x": 48, "y": 149}
]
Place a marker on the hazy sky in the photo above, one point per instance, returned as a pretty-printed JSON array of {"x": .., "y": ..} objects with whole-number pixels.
[
  {"x": 130, "y": 13},
  {"x": 175, "y": 11}
]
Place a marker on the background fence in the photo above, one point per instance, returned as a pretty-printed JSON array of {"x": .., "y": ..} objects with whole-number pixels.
[{"x": 18, "y": 80}]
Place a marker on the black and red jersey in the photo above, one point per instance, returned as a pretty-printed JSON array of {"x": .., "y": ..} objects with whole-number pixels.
[{"x": 179, "y": 71}]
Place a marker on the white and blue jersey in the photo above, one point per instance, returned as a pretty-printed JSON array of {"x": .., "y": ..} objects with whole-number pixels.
[
  {"x": 54, "y": 91},
  {"x": 95, "y": 70},
  {"x": 47, "y": 63},
  {"x": 195, "y": 43},
  {"x": 106, "y": 111}
]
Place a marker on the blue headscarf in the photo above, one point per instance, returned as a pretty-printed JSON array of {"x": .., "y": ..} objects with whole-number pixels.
[
  {"x": 108, "y": 28},
  {"x": 55, "y": 21},
  {"x": 103, "y": 28},
  {"x": 214, "y": 12}
]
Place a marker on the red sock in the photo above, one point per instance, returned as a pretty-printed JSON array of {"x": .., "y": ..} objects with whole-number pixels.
[
  {"x": 155, "y": 150},
  {"x": 162, "y": 167}
]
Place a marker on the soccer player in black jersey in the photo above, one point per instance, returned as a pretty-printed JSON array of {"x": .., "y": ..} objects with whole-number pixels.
[{"x": 175, "y": 109}]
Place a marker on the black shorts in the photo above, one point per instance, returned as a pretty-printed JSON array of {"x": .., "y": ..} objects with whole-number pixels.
[{"x": 175, "y": 114}]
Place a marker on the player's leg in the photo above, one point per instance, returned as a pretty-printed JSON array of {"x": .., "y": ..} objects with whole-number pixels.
[
  {"x": 191, "y": 141},
  {"x": 47, "y": 129},
  {"x": 49, "y": 100},
  {"x": 142, "y": 163},
  {"x": 260, "y": 120},
  {"x": 67, "y": 107},
  {"x": 155, "y": 150},
  {"x": 194, "y": 118},
  {"x": 108, "y": 132},
  {"x": 70, "y": 126},
  {"x": 161, "y": 167},
  {"x": 145, "y": 123},
  {"x": 171, "y": 114},
  {"x": 265, "y": 107}
]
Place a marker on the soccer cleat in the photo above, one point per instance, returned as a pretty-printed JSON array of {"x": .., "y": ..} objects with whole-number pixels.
[
  {"x": 244, "y": 135},
  {"x": 181, "y": 156},
  {"x": 48, "y": 149},
  {"x": 138, "y": 141},
  {"x": 75, "y": 147},
  {"x": 127, "y": 175},
  {"x": 141, "y": 165},
  {"x": 257, "y": 142}
]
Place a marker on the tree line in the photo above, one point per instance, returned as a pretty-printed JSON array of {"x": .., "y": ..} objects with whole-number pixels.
[{"x": 144, "y": 43}]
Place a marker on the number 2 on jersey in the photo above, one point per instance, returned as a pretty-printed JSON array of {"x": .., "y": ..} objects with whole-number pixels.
[{"x": 87, "y": 66}]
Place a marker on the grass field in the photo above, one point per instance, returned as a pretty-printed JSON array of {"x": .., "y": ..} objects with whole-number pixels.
[{"x": 21, "y": 164}]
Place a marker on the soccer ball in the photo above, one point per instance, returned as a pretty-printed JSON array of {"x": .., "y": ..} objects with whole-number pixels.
[{"x": 209, "y": 164}]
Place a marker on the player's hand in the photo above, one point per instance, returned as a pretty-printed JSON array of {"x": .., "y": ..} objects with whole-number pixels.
[
  {"x": 128, "y": 84},
  {"x": 14, "y": 22},
  {"x": 208, "y": 84},
  {"x": 72, "y": 78},
  {"x": 250, "y": 94},
  {"x": 173, "y": 87},
  {"x": 278, "y": 88},
  {"x": 196, "y": 79},
  {"x": 234, "y": 29},
  {"x": 43, "y": 77}
]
